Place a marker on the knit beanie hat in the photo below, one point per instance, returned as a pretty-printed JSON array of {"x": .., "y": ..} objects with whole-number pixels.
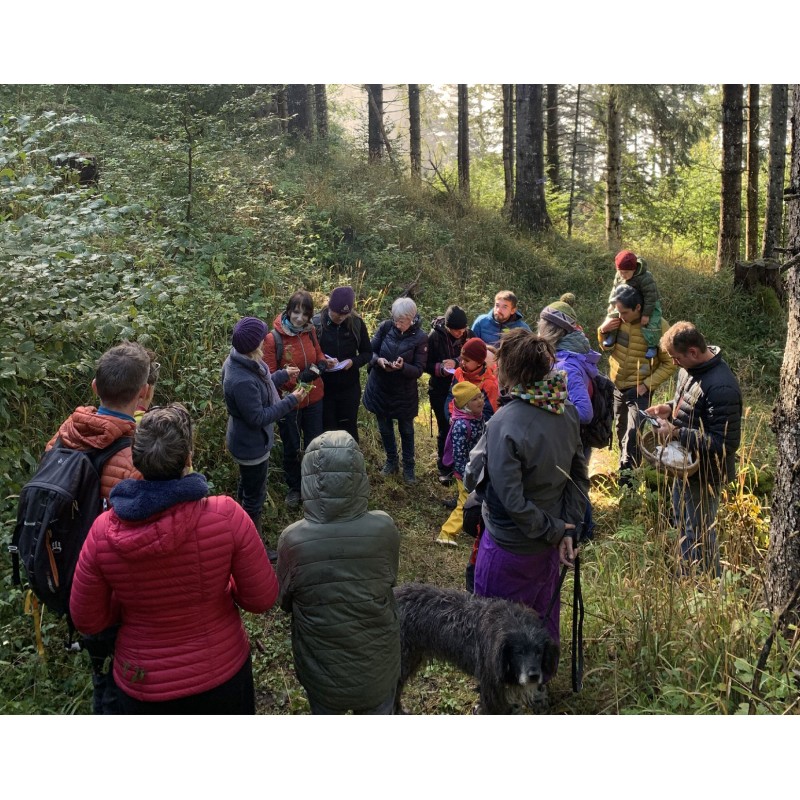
[
  {"x": 463, "y": 392},
  {"x": 455, "y": 318},
  {"x": 342, "y": 300},
  {"x": 475, "y": 349},
  {"x": 248, "y": 333},
  {"x": 626, "y": 260},
  {"x": 561, "y": 313}
]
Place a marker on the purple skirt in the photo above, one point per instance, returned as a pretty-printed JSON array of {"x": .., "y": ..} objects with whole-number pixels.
[{"x": 527, "y": 579}]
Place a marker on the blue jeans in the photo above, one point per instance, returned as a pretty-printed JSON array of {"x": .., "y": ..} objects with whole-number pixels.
[
  {"x": 252, "y": 490},
  {"x": 695, "y": 506},
  {"x": 406, "y": 428},
  {"x": 302, "y": 422}
]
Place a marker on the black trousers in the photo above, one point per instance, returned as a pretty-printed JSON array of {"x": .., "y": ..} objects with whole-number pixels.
[
  {"x": 437, "y": 401},
  {"x": 626, "y": 421},
  {"x": 235, "y": 696},
  {"x": 340, "y": 408}
]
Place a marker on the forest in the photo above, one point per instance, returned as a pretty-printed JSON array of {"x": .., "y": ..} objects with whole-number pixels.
[{"x": 163, "y": 213}]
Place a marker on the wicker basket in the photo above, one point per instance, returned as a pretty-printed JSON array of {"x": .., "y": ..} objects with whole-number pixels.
[{"x": 657, "y": 454}]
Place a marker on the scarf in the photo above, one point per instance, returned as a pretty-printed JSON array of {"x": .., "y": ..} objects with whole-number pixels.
[
  {"x": 575, "y": 342},
  {"x": 291, "y": 330},
  {"x": 550, "y": 393}
]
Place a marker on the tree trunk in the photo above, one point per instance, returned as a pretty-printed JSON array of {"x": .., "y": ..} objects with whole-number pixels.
[
  {"x": 321, "y": 109},
  {"x": 777, "y": 163},
  {"x": 508, "y": 143},
  {"x": 751, "y": 224},
  {"x": 574, "y": 159},
  {"x": 552, "y": 135},
  {"x": 414, "y": 130},
  {"x": 280, "y": 104},
  {"x": 298, "y": 111},
  {"x": 730, "y": 209},
  {"x": 529, "y": 209},
  {"x": 613, "y": 169},
  {"x": 375, "y": 139},
  {"x": 784, "y": 543},
  {"x": 463, "y": 140}
]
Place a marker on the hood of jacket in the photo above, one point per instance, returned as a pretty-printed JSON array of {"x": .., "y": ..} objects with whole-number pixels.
[
  {"x": 86, "y": 428},
  {"x": 154, "y": 517},
  {"x": 334, "y": 483}
]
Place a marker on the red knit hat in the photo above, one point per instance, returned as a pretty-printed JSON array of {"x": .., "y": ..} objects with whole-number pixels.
[
  {"x": 626, "y": 259},
  {"x": 475, "y": 349}
]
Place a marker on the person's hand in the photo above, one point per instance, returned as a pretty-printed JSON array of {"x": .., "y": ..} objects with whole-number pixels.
[
  {"x": 300, "y": 393},
  {"x": 293, "y": 372},
  {"x": 448, "y": 363},
  {"x": 566, "y": 548},
  {"x": 331, "y": 362},
  {"x": 610, "y": 324},
  {"x": 662, "y": 411},
  {"x": 347, "y": 363},
  {"x": 641, "y": 390},
  {"x": 382, "y": 363},
  {"x": 644, "y": 320},
  {"x": 398, "y": 363},
  {"x": 666, "y": 430}
]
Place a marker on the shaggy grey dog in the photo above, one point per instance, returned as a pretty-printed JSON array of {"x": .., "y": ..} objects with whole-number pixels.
[{"x": 500, "y": 643}]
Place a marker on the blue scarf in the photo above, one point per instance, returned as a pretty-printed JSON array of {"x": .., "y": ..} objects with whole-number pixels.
[{"x": 136, "y": 500}]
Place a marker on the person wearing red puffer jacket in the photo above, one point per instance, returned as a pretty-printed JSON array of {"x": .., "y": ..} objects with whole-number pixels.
[{"x": 173, "y": 566}]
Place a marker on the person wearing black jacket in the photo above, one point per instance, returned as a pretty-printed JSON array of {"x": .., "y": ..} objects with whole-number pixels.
[
  {"x": 704, "y": 417},
  {"x": 342, "y": 335},
  {"x": 447, "y": 337}
]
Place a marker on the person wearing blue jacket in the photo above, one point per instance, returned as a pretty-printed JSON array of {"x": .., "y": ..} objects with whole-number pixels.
[
  {"x": 503, "y": 317},
  {"x": 253, "y": 404}
]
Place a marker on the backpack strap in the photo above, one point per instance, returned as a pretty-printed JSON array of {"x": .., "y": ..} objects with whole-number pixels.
[
  {"x": 278, "y": 348},
  {"x": 98, "y": 458}
]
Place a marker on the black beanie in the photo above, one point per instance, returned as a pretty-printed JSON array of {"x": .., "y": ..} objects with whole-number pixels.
[{"x": 455, "y": 318}]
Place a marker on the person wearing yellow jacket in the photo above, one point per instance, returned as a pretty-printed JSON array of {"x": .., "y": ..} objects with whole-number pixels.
[{"x": 634, "y": 376}]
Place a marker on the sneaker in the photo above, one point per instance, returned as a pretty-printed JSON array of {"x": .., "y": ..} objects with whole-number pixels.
[
  {"x": 408, "y": 476},
  {"x": 446, "y": 478},
  {"x": 293, "y": 498},
  {"x": 447, "y": 539},
  {"x": 389, "y": 468},
  {"x": 652, "y": 352}
]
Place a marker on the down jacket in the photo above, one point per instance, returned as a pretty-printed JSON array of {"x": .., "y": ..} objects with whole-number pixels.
[
  {"x": 486, "y": 327},
  {"x": 336, "y": 569},
  {"x": 442, "y": 346},
  {"x": 299, "y": 350},
  {"x": 707, "y": 410},
  {"x": 628, "y": 356},
  {"x": 85, "y": 429},
  {"x": 171, "y": 565},
  {"x": 579, "y": 361},
  {"x": 395, "y": 394}
]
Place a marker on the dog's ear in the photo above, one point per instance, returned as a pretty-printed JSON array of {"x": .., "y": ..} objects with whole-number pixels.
[{"x": 550, "y": 658}]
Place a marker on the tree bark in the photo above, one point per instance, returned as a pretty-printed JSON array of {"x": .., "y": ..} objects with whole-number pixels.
[
  {"x": 730, "y": 210},
  {"x": 375, "y": 121},
  {"x": 414, "y": 128},
  {"x": 552, "y": 135},
  {"x": 463, "y": 140},
  {"x": 508, "y": 143},
  {"x": 784, "y": 542},
  {"x": 529, "y": 209},
  {"x": 299, "y": 122},
  {"x": 280, "y": 104},
  {"x": 321, "y": 109},
  {"x": 773, "y": 217},
  {"x": 751, "y": 224},
  {"x": 613, "y": 169},
  {"x": 574, "y": 160}
]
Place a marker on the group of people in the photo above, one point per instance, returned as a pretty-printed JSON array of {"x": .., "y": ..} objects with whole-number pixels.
[{"x": 164, "y": 573}]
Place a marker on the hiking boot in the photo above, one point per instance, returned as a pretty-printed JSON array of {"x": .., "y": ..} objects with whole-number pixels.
[
  {"x": 449, "y": 539},
  {"x": 389, "y": 468},
  {"x": 450, "y": 503},
  {"x": 652, "y": 352},
  {"x": 408, "y": 476},
  {"x": 293, "y": 498},
  {"x": 446, "y": 478}
]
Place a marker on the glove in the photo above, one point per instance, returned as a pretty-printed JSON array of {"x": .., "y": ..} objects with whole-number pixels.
[{"x": 308, "y": 375}]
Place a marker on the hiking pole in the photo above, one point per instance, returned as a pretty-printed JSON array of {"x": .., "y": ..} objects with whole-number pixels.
[{"x": 577, "y": 629}]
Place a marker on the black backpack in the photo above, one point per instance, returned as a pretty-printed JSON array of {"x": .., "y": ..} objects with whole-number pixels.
[
  {"x": 599, "y": 432},
  {"x": 56, "y": 509}
]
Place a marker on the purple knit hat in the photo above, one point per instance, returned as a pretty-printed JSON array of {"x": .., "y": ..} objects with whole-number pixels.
[
  {"x": 248, "y": 333},
  {"x": 342, "y": 300}
]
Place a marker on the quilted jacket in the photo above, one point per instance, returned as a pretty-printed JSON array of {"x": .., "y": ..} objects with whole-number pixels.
[
  {"x": 627, "y": 357},
  {"x": 299, "y": 350},
  {"x": 85, "y": 428},
  {"x": 336, "y": 569},
  {"x": 395, "y": 394},
  {"x": 172, "y": 565}
]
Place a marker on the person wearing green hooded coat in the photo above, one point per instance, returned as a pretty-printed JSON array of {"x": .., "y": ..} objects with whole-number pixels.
[{"x": 336, "y": 568}]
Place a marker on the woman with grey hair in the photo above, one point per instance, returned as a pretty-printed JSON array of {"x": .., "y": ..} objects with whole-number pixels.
[
  {"x": 172, "y": 566},
  {"x": 399, "y": 355}
]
